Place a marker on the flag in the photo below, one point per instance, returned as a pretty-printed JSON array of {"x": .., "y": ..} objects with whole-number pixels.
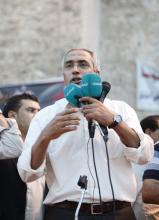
[{"x": 147, "y": 87}]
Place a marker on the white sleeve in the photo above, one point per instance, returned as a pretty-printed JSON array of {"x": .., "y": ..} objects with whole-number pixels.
[
  {"x": 24, "y": 162},
  {"x": 26, "y": 173},
  {"x": 11, "y": 143},
  {"x": 144, "y": 153}
]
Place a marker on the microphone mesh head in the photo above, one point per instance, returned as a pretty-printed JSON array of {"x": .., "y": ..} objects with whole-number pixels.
[
  {"x": 72, "y": 92},
  {"x": 91, "y": 85}
]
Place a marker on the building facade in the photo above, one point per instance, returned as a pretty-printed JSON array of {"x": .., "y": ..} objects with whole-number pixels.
[{"x": 35, "y": 34}]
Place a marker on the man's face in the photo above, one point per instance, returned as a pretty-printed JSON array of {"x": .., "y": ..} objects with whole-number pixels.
[
  {"x": 77, "y": 63},
  {"x": 25, "y": 114},
  {"x": 155, "y": 134}
]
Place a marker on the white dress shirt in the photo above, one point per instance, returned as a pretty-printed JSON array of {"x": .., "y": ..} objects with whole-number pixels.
[
  {"x": 11, "y": 143},
  {"x": 68, "y": 157},
  {"x": 34, "y": 200}
]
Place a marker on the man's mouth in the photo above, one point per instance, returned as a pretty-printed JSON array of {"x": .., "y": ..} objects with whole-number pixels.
[{"x": 76, "y": 81}]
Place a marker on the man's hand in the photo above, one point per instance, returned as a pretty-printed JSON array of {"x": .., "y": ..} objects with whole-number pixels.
[
  {"x": 63, "y": 122},
  {"x": 95, "y": 110},
  {"x": 3, "y": 121}
]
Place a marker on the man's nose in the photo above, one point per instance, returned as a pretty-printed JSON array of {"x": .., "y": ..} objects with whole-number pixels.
[{"x": 76, "y": 70}]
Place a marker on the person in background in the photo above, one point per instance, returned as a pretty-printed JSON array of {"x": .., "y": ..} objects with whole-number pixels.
[
  {"x": 11, "y": 143},
  {"x": 57, "y": 145},
  {"x": 19, "y": 200},
  {"x": 138, "y": 203},
  {"x": 150, "y": 189}
]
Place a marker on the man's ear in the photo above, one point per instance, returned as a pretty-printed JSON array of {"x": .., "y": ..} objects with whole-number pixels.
[
  {"x": 96, "y": 70},
  {"x": 12, "y": 114},
  {"x": 148, "y": 131}
]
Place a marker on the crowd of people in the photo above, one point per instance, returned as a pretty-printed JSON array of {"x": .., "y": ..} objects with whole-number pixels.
[{"x": 47, "y": 156}]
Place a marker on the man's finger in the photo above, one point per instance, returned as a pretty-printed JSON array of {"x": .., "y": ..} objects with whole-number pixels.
[
  {"x": 89, "y": 100},
  {"x": 68, "y": 111}
]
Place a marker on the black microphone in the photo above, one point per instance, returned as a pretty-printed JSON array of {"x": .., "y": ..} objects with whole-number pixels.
[{"x": 106, "y": 86}]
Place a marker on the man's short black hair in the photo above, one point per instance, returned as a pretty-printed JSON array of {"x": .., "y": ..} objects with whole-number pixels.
[
  {"x": 150, "y": 122},
  {"x": 14, "y": 102}
]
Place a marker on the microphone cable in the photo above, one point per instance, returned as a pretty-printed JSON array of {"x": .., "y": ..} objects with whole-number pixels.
[
  {"x": 96, "y": 173},
  {"x": 105, "y": 138},
  {"x": 101, "y": 204},
  {"x": 95, "y": 168},
  {"x": 94, "y": 185}
]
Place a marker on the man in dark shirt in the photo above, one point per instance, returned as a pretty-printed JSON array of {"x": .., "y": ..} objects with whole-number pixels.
[{"x": 150, "y": 190}]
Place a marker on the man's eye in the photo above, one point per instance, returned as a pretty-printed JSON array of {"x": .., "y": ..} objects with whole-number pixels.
[
  {"x": 84, "y": 64},
  {"x": 68, "y": 65},
  {"x": 32, "y": 110}
]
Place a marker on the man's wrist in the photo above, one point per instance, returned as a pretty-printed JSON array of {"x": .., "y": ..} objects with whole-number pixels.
[{"x": 117, "y": 119}]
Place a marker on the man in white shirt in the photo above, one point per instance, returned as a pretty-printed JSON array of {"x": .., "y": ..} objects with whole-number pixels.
[
  {"x": 57, "y": 146},
  {"x": 11, "y": 143}
]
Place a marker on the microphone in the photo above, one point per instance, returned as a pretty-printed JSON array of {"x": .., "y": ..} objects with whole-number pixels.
[
  {"x": 82, "y": 182},
  {"x": 106, "y": 88},
  {"x": 72, "y": 92},
  {"x": 91, "y": 85}
]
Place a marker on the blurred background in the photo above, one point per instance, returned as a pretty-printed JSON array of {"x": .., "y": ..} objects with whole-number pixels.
[{"x": 34, "y": 35}]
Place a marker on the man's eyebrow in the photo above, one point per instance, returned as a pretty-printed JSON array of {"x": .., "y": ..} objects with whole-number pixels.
[
  {"x": 83, "y": 61},
  {"x": 32, "y": 108},
  {"x": 69, "y": 61}
]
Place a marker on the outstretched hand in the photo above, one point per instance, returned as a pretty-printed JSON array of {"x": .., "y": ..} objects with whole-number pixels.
[{"x": 63, "y": 122}]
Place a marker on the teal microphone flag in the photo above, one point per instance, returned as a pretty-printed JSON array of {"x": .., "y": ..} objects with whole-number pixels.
[
  {"x": 91, "y": 85},
  {"x": 72, "y": 92}
]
